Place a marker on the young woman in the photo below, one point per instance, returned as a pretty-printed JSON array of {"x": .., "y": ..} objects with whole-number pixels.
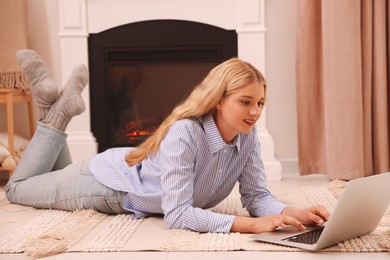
[{"x": 190, "y": 164}]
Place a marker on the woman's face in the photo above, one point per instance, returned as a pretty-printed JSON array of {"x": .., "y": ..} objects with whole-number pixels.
[{"x": 238, "y": 112}]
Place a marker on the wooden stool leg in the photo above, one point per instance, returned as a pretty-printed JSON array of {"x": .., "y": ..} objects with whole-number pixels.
[
  {"x": 31, "y": 116},
  {"x": 10, "y": 123}
]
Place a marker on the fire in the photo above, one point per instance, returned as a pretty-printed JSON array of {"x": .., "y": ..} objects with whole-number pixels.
[
  {"x": 137, "y": 131},
  {"x": 138, "y": 134}
]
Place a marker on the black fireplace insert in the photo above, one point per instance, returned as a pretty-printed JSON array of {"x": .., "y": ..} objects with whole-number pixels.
[{"x": 140, "y": 71}]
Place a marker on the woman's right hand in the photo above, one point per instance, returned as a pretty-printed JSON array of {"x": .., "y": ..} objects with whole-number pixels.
[{"x": 264, "y": 224}]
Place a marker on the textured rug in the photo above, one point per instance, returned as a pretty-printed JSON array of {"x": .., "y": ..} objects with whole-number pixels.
[{"x": 40, "y": 233}]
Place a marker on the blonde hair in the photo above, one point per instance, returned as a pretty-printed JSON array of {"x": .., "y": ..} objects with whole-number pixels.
[{"x": 220, "y": 82}]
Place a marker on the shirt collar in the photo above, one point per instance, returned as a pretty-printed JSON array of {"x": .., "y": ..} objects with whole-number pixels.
[{"x": 214, "y": 137}]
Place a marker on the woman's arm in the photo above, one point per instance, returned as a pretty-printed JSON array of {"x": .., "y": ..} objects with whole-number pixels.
[
  {"x": 256, "y": 198},
  {"x": 264, "y": 224},
  {"x": 290, "y": 216},
  {"x": 267, "y": 211}
]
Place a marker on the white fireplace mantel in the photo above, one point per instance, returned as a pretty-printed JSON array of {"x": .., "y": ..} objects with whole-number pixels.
[{"x": 79, "y": 18}]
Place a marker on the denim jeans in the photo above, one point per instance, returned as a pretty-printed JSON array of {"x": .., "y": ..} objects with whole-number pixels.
[{"x": 46, "y": 178}]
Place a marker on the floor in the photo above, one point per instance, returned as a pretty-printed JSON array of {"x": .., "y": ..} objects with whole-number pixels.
[{"x": 289, "y": 180}]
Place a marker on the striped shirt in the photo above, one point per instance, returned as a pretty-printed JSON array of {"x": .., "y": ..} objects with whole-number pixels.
[{"x": 193, "y": 170}]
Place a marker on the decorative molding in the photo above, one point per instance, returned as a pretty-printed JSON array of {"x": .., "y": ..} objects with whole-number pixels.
[
  {"x": 73, "y": 18},
  {"x": 251, "y": 16},
  {"x": 251, "y": 47},
  {"x": 290, "y": 165},
  {"x": 74, "y": 50},
  {"x": 251, "y": 12}
]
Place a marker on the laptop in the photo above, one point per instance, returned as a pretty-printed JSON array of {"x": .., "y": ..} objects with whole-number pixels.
[{"x": 358, "y": 212}]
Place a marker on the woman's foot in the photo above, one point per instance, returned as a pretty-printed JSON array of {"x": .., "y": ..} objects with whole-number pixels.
[
  {"x": 43, "y": 88},
  {"x": 70, "y": 103}
]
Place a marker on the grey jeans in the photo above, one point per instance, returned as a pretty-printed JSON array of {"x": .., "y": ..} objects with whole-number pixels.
[{"x": 46, "y": 178}]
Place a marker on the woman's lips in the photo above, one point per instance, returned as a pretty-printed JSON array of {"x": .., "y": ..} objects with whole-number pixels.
[{"x": 249, "y": 122}]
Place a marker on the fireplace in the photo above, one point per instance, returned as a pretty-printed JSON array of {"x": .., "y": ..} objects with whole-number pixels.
[
  {"x": 79, "y": 19},
  {"x": 140, "y": 71}
]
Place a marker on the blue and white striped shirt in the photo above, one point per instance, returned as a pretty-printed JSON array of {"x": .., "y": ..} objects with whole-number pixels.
[{"x": 193, "y": 170}]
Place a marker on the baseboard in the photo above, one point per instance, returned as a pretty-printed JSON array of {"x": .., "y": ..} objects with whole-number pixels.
[{"x": 289, "y": 165}]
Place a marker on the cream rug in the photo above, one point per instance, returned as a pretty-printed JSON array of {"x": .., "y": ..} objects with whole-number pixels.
[{"x": 40, "y": 233}]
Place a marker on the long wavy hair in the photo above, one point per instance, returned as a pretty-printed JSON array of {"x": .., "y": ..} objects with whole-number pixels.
[{"x": 220, "y": 82}]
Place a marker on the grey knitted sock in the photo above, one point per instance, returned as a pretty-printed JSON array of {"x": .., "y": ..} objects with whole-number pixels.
[
  {"x": 43, "y": 88},
  {"x": 70, "y": 103},
  {"x": 76, "y": 82}
]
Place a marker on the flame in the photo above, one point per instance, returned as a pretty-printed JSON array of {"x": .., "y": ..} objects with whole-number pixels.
[
  {"x": 138, "y": 134},
  {"x": 139, "y": 130}
]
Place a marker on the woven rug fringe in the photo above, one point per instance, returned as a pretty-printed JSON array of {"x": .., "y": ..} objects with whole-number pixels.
[
  {"x": 65, "y": 234},
  {"x": 45, "y": 246}
]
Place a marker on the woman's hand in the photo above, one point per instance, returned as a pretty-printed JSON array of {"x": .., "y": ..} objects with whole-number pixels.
[
  {"x": 290, "y": 216},
  {"x": 264, "y": 224},
  {"x": 314, "y": 215}
]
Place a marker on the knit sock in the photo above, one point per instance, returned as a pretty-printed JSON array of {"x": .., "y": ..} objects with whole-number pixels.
[
  {"x": 77, "y": 81},
  {"x": 70, "y": 103},
  {"x": 43, "y": 88}
]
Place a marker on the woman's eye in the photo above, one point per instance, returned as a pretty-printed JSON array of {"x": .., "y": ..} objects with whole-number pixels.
[
  {"x": 260, "y": 104},
  {"x": 245, "y": 102}
]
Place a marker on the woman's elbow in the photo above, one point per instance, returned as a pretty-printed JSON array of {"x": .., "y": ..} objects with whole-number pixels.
[{"x": 172, "y": 222}]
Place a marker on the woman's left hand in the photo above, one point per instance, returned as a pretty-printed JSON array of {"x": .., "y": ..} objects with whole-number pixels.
[{"x": 313, "y": 215}]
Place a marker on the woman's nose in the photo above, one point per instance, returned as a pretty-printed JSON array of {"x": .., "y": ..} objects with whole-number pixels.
[{"x": 255, "y": 110}]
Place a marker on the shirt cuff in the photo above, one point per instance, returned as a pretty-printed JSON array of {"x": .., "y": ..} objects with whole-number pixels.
[
  {"x": 275, "y": 207},
  {"x": 220, "y": 223}
]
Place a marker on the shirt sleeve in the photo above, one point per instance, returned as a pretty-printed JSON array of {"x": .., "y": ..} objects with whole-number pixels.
[
  {"x": 178, "y": 153},
  {"x": 255, "y": 196}
]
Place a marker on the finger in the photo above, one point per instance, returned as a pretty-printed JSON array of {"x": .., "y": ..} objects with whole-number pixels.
[
  {"x": 322, "y": 212},
  {"x": 318, "y": 215},
  {"x": 278, "y": 223},
  {"x": 294, "y": 222}
]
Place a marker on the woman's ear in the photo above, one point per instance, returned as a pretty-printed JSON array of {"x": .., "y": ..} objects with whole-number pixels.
[{"x": 219, "y": 104}]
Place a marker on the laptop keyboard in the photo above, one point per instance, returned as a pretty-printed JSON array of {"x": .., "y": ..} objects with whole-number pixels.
[{"x": 310, "y": 237}]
